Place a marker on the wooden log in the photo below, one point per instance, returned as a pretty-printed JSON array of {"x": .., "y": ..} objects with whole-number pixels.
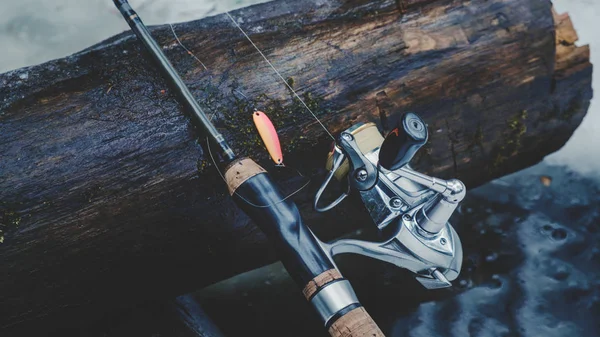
[{"x": 105, "y": 194}]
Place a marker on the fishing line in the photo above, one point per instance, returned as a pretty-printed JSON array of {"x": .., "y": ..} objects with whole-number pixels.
[
  {"x": 187, "y": 50},
  {"x": 279, "y": 74},
  {"x": 211, "y": 116}
]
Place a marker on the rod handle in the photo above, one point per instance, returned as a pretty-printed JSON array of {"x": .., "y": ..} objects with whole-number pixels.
[
  {"x": 334, "y": 300},
  {"x": 356, "y": 323}
]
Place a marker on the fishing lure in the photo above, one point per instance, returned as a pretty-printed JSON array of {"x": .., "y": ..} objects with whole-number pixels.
[{"x": 269, "y": 136}]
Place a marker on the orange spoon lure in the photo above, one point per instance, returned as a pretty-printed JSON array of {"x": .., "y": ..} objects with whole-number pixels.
[{"x": 269, "y": 136}]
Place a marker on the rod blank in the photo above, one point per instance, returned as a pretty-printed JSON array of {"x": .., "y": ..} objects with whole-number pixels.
[{"x": 198, "y": 115}]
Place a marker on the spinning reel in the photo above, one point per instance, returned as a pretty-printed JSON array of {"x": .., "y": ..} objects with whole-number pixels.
[{"x": 412, "y": 206}]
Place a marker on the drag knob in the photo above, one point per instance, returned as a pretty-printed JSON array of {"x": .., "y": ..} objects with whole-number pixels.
[{"x": 401, "y": 144}]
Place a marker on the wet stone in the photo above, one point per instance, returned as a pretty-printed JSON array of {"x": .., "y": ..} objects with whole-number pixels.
[
  {"x": 553, "y": 324},
  {"x": 595, "y": 256},
  {"x": 560, "y": 274},
  {"x": 559, "y": 234},
  {"x": 492, "y": 257},
  {"x": 496, "y": 282}
]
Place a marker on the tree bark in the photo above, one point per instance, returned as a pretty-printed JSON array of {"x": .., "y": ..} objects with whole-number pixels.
[{"x": 106, "y": 195}]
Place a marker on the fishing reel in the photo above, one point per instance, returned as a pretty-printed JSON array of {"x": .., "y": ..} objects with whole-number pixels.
[{"x": 412, "y": 206}]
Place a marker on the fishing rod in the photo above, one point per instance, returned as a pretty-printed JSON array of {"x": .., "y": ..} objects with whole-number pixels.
[
  {"x": 299, "y": 250},
  {"x": 412, "y": 206}
]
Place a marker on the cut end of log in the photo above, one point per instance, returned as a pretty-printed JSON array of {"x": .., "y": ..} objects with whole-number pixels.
[
  {"x": 570, "y": 58},
  {"x": 564, "y": 27}
]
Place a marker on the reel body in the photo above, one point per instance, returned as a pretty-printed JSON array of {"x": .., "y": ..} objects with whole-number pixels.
[{"x": 413, "y": 207}]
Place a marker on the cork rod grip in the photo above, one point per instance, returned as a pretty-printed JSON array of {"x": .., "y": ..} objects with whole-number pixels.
[
  {"x": 356, "y": 323},
  {"x": 349, "y": 321}
]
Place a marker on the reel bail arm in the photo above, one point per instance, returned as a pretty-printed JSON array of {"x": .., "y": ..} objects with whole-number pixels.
[{"x": 362, "y": 178}]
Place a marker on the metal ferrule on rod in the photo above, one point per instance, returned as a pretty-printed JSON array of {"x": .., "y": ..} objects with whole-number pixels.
[
  {"x": 174, "y": 79},
  {"x": 333, "y": 299}
]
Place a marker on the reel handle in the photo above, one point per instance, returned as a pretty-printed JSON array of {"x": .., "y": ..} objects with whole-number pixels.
[{"x": 401, "y": 144}]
